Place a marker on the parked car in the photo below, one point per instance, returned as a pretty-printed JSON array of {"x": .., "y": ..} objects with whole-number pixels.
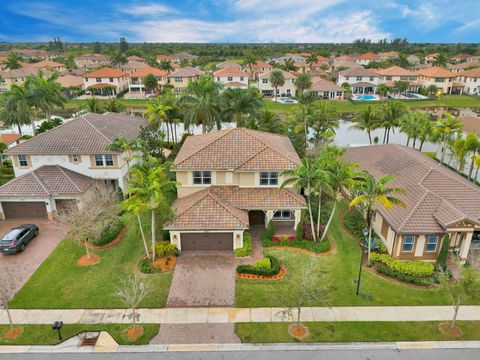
[{"x": 15, "y": 240}]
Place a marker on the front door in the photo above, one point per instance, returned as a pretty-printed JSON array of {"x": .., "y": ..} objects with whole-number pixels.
[{"x": 256, "y": 217}]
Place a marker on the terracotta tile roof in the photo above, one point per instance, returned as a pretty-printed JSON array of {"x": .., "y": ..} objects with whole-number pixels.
[
  {"x": 358, "y": 71},
  {"x": 345, "y": 58},
  {"x": 45, "y": 181},
  {"x": 436, "y": 196},
  {"x": 164, "y": 57},
  {"x": 241, "y": 149},
  {"x": 395, "y": 71},
  {"x": 471, "y": 124},
  {"x": 47, "y": 64},
  {"x": 228, "y": 64},
  {"x": 230, "y": 71},
  {"x": 472, "y": 73},
  {"x": 388, "y": 54},
  {"x": 93, "y": 57},
  {"x": 187, "y": 71},
  {"x": 235, "y": 84},
  {"x": 225, "y": 207},
  {"x": 464, "y": 56},
  {"x": 464, "y": 65},
  {"x": 149, "y": 70},
  {"x": 134, "y": 58},
  {"x": 23, "y": 72},
  {"x": 133, "y": 66},
  {"x": 364, "y": 83},
  {"x": 87, "y": 134},
  {"x": 259, "y": 65},
  {"x": 105, "y": 73},
  {"x": 286, "y": 74},
  {"x": 325, "y": 85},
  {"x": 98, "y": 65},
  {"x": 435, "y": 71},
  {"x": 367, "y": 56},
  {"x": 9, "y": 138},
  {"x": 70, "y": 80}
]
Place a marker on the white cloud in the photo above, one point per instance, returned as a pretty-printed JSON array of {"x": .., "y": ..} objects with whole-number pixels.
[{"x": 146, "y": 10}]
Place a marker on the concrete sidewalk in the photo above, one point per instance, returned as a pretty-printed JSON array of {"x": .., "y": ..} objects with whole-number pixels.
[{"x": 239, "y": 315}]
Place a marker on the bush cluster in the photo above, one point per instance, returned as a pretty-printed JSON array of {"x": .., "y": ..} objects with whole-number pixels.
[
  {"x": 246, "y": 249},
  {"x": 268, "y": 266},
  {"x": 408, "y": 268},
  {"x": 110, "y": 233},
  {"x": 144, "y": 266},
  {"x": 299, "y": 231},
  {"x": 421, "y": 281},
  {"x": 355, "y": 222},
  {"x": 270, "y": 231},
  {"x": 316, "y": 247},
  {"x": 164, "y": 248}
]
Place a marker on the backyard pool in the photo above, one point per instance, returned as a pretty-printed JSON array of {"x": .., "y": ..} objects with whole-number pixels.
[
  {"x": 286, "y": 100},
  {"x": 365, "y": 97}
]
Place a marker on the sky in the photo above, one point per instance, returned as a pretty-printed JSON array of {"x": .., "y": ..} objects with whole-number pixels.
[{"x": 240, "y": 21}]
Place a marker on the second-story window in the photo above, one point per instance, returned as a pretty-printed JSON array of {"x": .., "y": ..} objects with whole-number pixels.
[
  {"x": 99, "y": 160},
  {"x": 109, "y": 160},
  {"x": 178, "y": 79},
  {"x": 269, "y": 178},
  {"x": 22, "y": 160},
  {"x": 75, "y": 158},
  {"x": 98, "y": 79},
  {"x": 264, "y": 81},
  {"x": 359, "y": 78},
  {"x": 230, "y": 78},
  {"x": 104, "y": 160},
  {"x": 111, "y": 79},
  {"x": 202, "y": 177}
]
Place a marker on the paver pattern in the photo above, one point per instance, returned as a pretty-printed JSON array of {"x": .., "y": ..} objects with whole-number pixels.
[
  {"x": 24, "y": 264},
  {"x": 196, "y": 334}
]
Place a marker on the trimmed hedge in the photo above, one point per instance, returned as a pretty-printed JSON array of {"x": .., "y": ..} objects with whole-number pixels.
[
  {"x": 355, "y": 222},
  {"x": 260, "y": 267},
  {"x": 164, "y": 248},
  {"x": 421, "y": 281},
  {"x": 246, "y": 249},
  {"x": 110, "y": 233},
  {"x": 291, "y": 241},
  {"x": 409, "y": 268}
]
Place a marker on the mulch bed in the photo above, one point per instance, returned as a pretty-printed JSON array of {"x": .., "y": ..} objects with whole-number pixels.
[
  {"x": 306, "y": 251},
  {"x": 165, "y": 263},
  {"x": 449, "y": 331},
  {"x": 281, "y": 274},
  {"x": 88, "y": 261},
  {"x": 134, "y": 332},
  {"x": 298, "y": 331},
  {"x": 12, "y": 334},
  {"x": 111, "y": 243}
]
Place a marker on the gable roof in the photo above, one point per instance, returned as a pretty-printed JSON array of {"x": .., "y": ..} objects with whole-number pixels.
[
  {"x": 230, "y": 71},
  {"x": 134, "y": 58},
  {"x": 105, "y": 73},
  {"x": 8, "y": 139},
  {"x": 358, "y": 71},
  {"x": 148, "y": 70},
  {"x": 395, "y": 71},
  {"x": 187, "y": 71},
  {"x": 227, "y": 64},
  {"x": 87, "y": 134},
  {"x": 70, "y": 81},
  {"x": 435, "y": 71},
  {"x": 436, "y": 196},
  {"x": 23, "y": 72},
  {"x": 286, "y": 74},
  {"x": 464, "y": 65},
  {"x": 472, "y": 73},
  {"x": 46, "y": 64},
  {"x": 46, "y": 181},
  {"x": 93, "y": 57},
  {"x": 237, "y": 149},
  {"x": 325, "y": 85}
]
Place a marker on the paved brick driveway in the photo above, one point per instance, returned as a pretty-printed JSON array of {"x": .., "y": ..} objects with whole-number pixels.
[
  {"x": 203, "y": 279},
  {"x": 196, "y": 334},
  {"x": 25, "y": 263}
]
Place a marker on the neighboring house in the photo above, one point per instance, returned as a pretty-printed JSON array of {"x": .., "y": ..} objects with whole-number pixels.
[
  {"x": 48, "y": 64},
  {"x": 107, "y": 80},
  {"x": 456, "y": 68},
  {"x": 18, "y": 76},
  {"x": 98, "y": 65},
  {"x": 183, "y": 56},
  {"x": 298, "y": 59},
  {"x": 413, "y": 59},
  {"x": 438, "y": 202},
  {"x": 365, "y": 59},
  {"x": 345, "y": 64},
  {"x": 231, "y": 77},
  {"x": 184, "y": 76},
  {"x": 229, "y": 181},
  {"x": 91, "y": 59},
  {"x": 33, "y": 54},
  {"x": 326, "y": 89},
  {"x": 10, "y": 139},
  {"x": 287, "y": 90},
  {"x": 341, "y": 58},
  {"x": 463, "y": 58},
  {"x": 258, "y": 68},
  {"x": 69, "y": 81},
  {"x": 80, "y": 145},
  {"x": 135, "y": 58},
  {"x": 161, "y": 58},
  {"x": 361, "y": 80},
  {"x": 228, "y": 64},
  {"x": 389, "y": 55},
  {"x": 430, "y": 58},
  {"x": 393, "y": 74},
  {"x": 443, "y": 79},
  {"x": 132, "y": 66},
  {"x": 470, "y": 80},
  {"x": 135, "y": 80}
]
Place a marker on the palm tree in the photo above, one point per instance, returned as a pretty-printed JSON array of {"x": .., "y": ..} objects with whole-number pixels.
[
  {"x": 425, "y": 129},
  {"x": 266, "y": 120},
  {"x": 157, "y": 114},
  {"x": 460, "y": 152},
  {"x": 324, "y": 122},
  {"x": 366, "y": 120},
  {"x": 383, "y": 89},
  {"x": 147, "y": 187},
  {"x": 369, "y": 194},
  {"x": 15, "y": 109},
  {"x": 311, "y": 60},
  {"x": 322, "y": 180},
  {"x": 408, "y": 126},
  {"x": 472, "y": 146},
  {"x": 240, "y": 103},
  {"x": 166, "y": 65},
  {"x": 289, "y": 65},
  {"x": 122, "y": 145},
  {"x": 136, "y": 206},
  {"x": 441, "y": 60},
  {"x": 390, "y": 115},
  {"x": 277, "y": 80},
  {"x": 118, "y": 59},
  {"x": 432, "y": 89},
  {"x": 46, "y": 93},
  {"x": 306, "y": 98},
  {"x": 201, "y": 103},
  {"x": 303, "y": 177},
  {"x": 447, "y": 128},
  {"x": 303, "y": 82},
  {"x": 250, "y": 60},
  {"x": 93, "y": 105},
  {"x": 115, "y": 106},
  {"x": 13, "y": 61},
  {"x": 476, "y": 162}
]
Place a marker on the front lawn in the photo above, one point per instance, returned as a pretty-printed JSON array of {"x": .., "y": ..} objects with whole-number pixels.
[
  {"x": 60, "y": 283},
  {"x": 356, "y": 331},
  {"x": 341, "y": 270},
  {"x": 44, "y": 335}
]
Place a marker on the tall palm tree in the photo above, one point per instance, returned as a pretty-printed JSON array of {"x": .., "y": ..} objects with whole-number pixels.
[
  {"x": 311, "y": 60},
  {"x": 472, "y": 145},
  {"x": 202, "y": 103},
  {"x": 46, "y": 93},
  {"x": 390, "y": 115},
  {"x": 303, "y": 82},
  {"x": 408, "y": 126},
  {"x": 268, "y": 121},
  {"x": 425, "y": 129},
  {"x": 322, "y": 180},
  {"x": 14, "y": 107},
  {"x": 324, "y": 122},
  {"x": 122, "y": 145},
  {"x": 370, "y": 193},
  {"x": 476, "y": 162},
  {"x": 13, "y": 61},
  {"x": 303, "y": 177},
  {"x": 250, "y": 60},
  {"x": 289, "y": 65},
  {"x": 147, "y": 186},
  {"x": 447, "y": 128},
  {"x": 237, "y": 104},
  {"x": 136, "y": 206},
  {"x": 157, "y": 114},
  {"x": 115, "y": 106},
  {"x": 366, "y": 120},
  {"x": 460, "y": 152},
  {"x": 440, "y": 60},
  {"x": 94, "y": 105},
  {"x": 277, "y": 80}
]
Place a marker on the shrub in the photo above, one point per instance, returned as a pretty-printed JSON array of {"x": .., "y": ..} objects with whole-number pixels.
[
  {"x": 261, "y": 269},
  {"x": 110, "y": 232},
  {"x": 262, "y": 265},
  {"x": 246, "y": 249},
  {"x": 299, "y": 230},
  {"x": 270, "y": 231},
  {"x": 408, "y": 268},
  {"x": 421, "y": 281},
  {"x": 164, "y": 248},
  {"x": 316, "y": 247},
  {"x": 382, "y": 249},
  {"x": 355, "y": 222},
  {"x": 443, "y": 254},
  {"x": 144, "y": 266}
]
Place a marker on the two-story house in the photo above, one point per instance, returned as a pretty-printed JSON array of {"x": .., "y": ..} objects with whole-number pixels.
[
  {"x": 471, "y": 81},
  {"x": 91, "y": 59},
  {"x": 443, "y": 79},
  {"x": 67, "y": 156},
  {"x": 258, "y": 68},
  {"x": 391, "y": 75},
  {"x": 361, "y": 80},
  {"x": 229, "y": 181},
  {"x": 106, "y": 81},
  {"x": 184, "y": 76},
  {"x": 288, "y": 89},
  {"x": 136, "y": 87},
  {"x": 231, "y": 77}
]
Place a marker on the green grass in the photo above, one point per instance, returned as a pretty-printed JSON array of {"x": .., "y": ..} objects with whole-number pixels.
[
  {"x": 431, "y": 154},
  {"x": 358, "y": 331},
  {"x": 44, "y": 335},
  {"x": 60, "y": 283},
  {"x": 341, "y": 269}
]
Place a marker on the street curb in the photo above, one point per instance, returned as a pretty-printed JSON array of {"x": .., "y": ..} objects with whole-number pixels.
[{"x": 405, "y": 345}]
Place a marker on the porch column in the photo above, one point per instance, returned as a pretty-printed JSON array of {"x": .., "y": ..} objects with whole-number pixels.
[
  {"x": 2, "y": 214},
  {"x": 175, "y": 239},
  {"x": 268, "y": 217},
  {"x": 465, "y": 246},
  {"x": 298, "y": 215}
]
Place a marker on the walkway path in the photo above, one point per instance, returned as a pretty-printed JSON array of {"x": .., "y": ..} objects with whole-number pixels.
[{"x": 236, "y": 315}]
